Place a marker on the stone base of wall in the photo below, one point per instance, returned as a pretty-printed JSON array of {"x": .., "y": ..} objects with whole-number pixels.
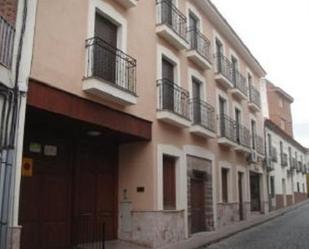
[
  {"x": 154, "y": 229},
  {"x": 299, "y": 197},
  {"x": 228, "y": 213},
  {"x": 14, "y": 237},
  {"x": 289, "y": 200},
  {"x": 279, "y": 201}
]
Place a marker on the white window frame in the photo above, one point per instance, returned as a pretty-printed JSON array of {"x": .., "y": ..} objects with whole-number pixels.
[
  {"x": 180, "y": 174},
  {"x": 163, "y": 52},
  {"x": 109, "y": 12},
  {"x": 228, "y": 166},
  {"x": 193, "y": 73}
]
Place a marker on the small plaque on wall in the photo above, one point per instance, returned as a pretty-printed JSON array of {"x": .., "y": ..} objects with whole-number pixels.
[
  {"x": 35, "y": 148},
  {"x": 50, "y": 150}
]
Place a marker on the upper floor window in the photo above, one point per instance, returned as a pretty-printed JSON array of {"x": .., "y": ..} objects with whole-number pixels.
[{"x": 253, "y": 134}]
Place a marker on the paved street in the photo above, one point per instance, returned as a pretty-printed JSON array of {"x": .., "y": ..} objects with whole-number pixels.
[{"x": 290, "y": 231}]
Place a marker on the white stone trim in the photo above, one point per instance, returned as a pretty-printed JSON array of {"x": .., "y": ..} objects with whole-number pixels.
[
  {"x": 165, "y": 52},
  {"x": 181, "y": 174},
  {"x": 226, "y": 165},
  {"x": 113, "y": 15},
  {"x": 196, "y": 74},
  {"x": 191, "y": 8},
  {"x": 208, "y": 155},
  {"x": 216, "y": 36}
]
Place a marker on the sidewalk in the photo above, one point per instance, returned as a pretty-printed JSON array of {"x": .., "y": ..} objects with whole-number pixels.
[{"x": 207, "y": 238}]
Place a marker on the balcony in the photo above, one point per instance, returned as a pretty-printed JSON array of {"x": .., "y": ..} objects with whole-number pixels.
[
  {"x": 254, "y": 99},
  {"x": 199, "y": 51},
  {"x": 260, "y": 146},
  {"x": 203, "y": 119},
  {"x": 127, "y": 3},
  {"x": 111, "y": 74},
  {"x": 240, "y": 89},
  {"x": 284, "y": 159},
  {"x": 171, "y": 24},
  {"x": 7, "y": 33},
  {"x": 223, "y": 71},
  {"x": 173, "y": 104},
  {"x": 227, "y": 135},
  {"x": 243, "y": 139}
]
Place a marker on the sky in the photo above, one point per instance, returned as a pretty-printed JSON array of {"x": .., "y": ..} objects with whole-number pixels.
[{"x": 277, "y": 33}]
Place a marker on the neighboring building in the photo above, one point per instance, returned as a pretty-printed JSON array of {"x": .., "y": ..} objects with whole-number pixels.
[
  {"x": 15, "y": 58},
  {"x": 287, "y": 164},
  {"x": 144, "y": 116},
  {"x": 279, "y": 107}
]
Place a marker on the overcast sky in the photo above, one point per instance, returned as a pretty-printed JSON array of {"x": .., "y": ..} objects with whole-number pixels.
[{"x": 277, "y": 32}]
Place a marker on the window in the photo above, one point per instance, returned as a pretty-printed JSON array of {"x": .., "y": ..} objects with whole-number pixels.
[
  {"x": 234, "y": 69},
  {"x": 222, "y": 112},
  {"x": 272, "y": 186},
  {"x": 304, "y": 190},
  {"x": 224, "y": 176},
  {"x": 253, "y": 134},
  {"x": 169, "y": 183},
  {"x": 219, "y": 54},
  {"x": 269, "y": 142},
  {"x": 196, "y": 96},
  {"x": 298, "y": 187},
  {"x": 238, "y": 122}
]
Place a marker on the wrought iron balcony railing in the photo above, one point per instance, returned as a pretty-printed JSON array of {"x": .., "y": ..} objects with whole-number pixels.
[
  {"x": 110, "y": 64},
  {"x": 171, "y": 16},
  {"x": 254, "y": 96},
  {"x": 173, "y": 98},
  {"x": 7, "y": 34},
  {"x": 224, "y": 66},
  {"x": 227, "y": 128},
  {"x": 200, "y": 43},
  {"x": 284, "y": 159},
  {"x": 243, "y": 136},
  {"x": 239, "y": 82},
  {"x": 260, "y": 145},
  {"x": 203, "y": 114}
]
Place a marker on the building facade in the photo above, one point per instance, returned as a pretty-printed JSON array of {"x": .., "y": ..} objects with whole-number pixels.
[
  {"x": 142, "y": 117},
  {"x": 279, "y": 107},
  {"x": 287, "y": 164}
]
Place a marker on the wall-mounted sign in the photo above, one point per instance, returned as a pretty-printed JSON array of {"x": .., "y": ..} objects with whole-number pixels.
[
  {"x": 35, "y": 148},
  {"x": 27, "y": 167},
  {"x": 50, "y": 150}
]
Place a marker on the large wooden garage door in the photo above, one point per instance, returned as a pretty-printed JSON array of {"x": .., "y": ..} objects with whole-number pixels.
[
  {"x": 95, "y": 195},
  {"x": 69, "y": 197},
  {"x": 45, "y": 202}
]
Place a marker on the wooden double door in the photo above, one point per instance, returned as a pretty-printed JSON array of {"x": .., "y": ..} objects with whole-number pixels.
[{"x": 68, "y": 194}]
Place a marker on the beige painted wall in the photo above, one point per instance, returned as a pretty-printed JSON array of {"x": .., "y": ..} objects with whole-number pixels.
[{"x": 59, "y": 61}]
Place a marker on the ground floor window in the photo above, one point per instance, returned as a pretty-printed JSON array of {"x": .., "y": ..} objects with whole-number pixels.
[
  {"x": 169, "y": 183},
  {"x": 298, "y": 187},
  {"x": 272, "y": 187},
  {"x": 224, "y": 176}
]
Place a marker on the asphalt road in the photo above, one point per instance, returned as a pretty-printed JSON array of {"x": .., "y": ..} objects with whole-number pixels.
[{"x": 290, "y": 231}]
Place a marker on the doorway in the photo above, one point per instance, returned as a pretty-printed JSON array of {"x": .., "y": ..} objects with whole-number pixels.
[
  {"x": 240, "y": 195},
  {"x": 255, "y": 192},
  {"x": 198, "y": 218},
  {"x": 70, "y": 195}
]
